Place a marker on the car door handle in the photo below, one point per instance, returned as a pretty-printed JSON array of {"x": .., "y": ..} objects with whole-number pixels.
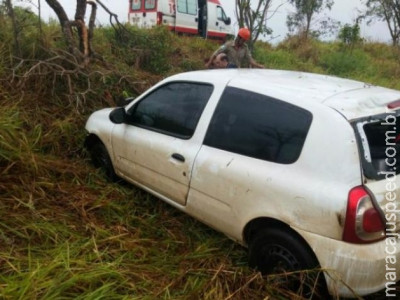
[{"x": 178, "y": 156}]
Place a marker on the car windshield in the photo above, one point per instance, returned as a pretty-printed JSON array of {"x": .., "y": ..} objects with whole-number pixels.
[{"x": 379, "y": 139}]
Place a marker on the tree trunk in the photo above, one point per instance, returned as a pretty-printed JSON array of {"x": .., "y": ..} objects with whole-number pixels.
[
  {"x": 84, "y": 52},
  {"x": 308, "y": 25},
  {"x": 65, "y": 24},
  {"x": 254, "y": 19},
  {"x": 91, "y": 26},
  {"x": 10, "y": 10},
  {"x": 82, "y": 30},
  {"x": 396, "y": 9},
  {"x": 40, "y": 22}
]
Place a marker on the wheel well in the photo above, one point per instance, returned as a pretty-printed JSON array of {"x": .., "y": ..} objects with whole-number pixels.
[
  {"x": 91, "y": 140},
  {"x": 256, "y": 224},
  {"x": 259, "y": 224}
]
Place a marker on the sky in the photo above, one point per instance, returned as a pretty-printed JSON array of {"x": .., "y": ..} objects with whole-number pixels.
[{"x": 344, "y": 11}]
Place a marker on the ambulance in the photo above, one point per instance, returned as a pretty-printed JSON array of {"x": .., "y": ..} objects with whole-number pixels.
[{"x": 206, "y": 18}]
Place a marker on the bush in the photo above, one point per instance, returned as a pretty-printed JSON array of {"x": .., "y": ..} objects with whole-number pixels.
[
  {"x": 350, "y": 35},
  {"x": 345, "y": 64},
  {"x": 277, "y": 59},
  {"x": 148, "y": 49},
  {"x": 382, "y": 51}
]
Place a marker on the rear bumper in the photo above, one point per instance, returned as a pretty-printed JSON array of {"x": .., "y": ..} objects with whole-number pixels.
[{"x": 357, "y": 269}]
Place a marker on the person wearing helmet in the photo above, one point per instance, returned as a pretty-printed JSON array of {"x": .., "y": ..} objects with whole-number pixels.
[{"x": 237, "y": 51}]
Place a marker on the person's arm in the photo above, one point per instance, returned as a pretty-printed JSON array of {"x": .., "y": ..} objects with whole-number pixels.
[
  {"x": 255, "y": 64},
  {"x": 251, "y": 60}
]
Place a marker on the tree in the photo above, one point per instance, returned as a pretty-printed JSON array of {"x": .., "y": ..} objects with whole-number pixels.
[
  {"x": 387, "y": 11},
  {"x": 350, "y": 35},
  {"x": 254, "y": 19},
  {"x": 84, "y": 52},
  {"x": 10, "y": 12},
  {"x": 305, "y": 11},
  {"x": 85, "y": 33}
]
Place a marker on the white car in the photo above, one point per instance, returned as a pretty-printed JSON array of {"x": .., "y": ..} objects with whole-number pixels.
[{"x": 300, "y": 168}]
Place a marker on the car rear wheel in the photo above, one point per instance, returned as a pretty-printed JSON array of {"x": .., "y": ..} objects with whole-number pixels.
[
  {"x": 278, "y": 251},
  {"x": 101, "y": 159}
]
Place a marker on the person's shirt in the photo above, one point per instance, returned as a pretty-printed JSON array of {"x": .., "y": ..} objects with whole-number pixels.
[{"x": 240, "y": 57}]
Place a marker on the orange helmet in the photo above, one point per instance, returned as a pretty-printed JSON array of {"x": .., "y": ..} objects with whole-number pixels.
[{"x": 244, "y": 33}]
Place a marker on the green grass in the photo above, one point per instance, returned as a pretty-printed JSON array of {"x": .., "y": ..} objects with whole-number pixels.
[
  {"x": 67, "y": 233},
  {"x": 378, "y": 64}
]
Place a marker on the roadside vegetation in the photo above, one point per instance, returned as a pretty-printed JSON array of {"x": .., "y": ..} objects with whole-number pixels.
[{"x": 67, "y": 233}]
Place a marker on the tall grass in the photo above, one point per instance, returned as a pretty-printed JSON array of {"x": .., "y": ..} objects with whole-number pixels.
[
  {"x": 66, "y": 233},
  {"x": 371, "y": 62}
]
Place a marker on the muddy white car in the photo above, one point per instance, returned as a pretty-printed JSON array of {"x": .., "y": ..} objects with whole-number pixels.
[{"x": 300, "y": 168}]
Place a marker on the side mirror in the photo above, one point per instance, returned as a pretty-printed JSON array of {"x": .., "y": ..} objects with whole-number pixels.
[
  {"x": 128, "y": 100},
  {"x": 121, "y": 101},
  {"x": 228, "y": 21},
  {"x": 118, "y": 115}
]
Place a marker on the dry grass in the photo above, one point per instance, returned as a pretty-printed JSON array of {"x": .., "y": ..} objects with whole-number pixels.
[{"x": 67, "y": 233}]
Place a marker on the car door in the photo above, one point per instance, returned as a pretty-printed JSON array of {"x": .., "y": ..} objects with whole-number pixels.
[
  {"x": 157, "y": 149},
  {"x": 239, "y": 172}
]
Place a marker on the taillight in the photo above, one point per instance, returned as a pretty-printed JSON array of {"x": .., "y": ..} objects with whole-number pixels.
[
  {"x": 394, "y": 104},
  {"x": 159, "y": 18},
  {"x": 363, "y": 222}
]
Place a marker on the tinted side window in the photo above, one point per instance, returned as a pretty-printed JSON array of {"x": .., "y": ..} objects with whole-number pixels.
[
  {"x": 173, "y": 109},
  {"x": 258, "y": 126}
]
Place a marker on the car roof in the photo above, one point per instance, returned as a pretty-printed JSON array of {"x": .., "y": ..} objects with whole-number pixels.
[{"x": 353, "y": 99}]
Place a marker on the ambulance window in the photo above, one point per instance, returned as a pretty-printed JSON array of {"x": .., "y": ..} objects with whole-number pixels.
[
  {"x": 136, "y": 4},
  {"x": 187, "y": 7},
  {"x": 150, "y": 4},
  {"x": 221, "y": 14}
]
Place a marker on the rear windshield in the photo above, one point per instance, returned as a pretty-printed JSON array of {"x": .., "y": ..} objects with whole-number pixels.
[{"x": 379, "y": 139}]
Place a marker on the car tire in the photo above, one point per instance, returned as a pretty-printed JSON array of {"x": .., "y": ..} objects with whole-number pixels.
[
  {"x": 101, "y": 159},
  {"x": 279, "y": 251}
]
